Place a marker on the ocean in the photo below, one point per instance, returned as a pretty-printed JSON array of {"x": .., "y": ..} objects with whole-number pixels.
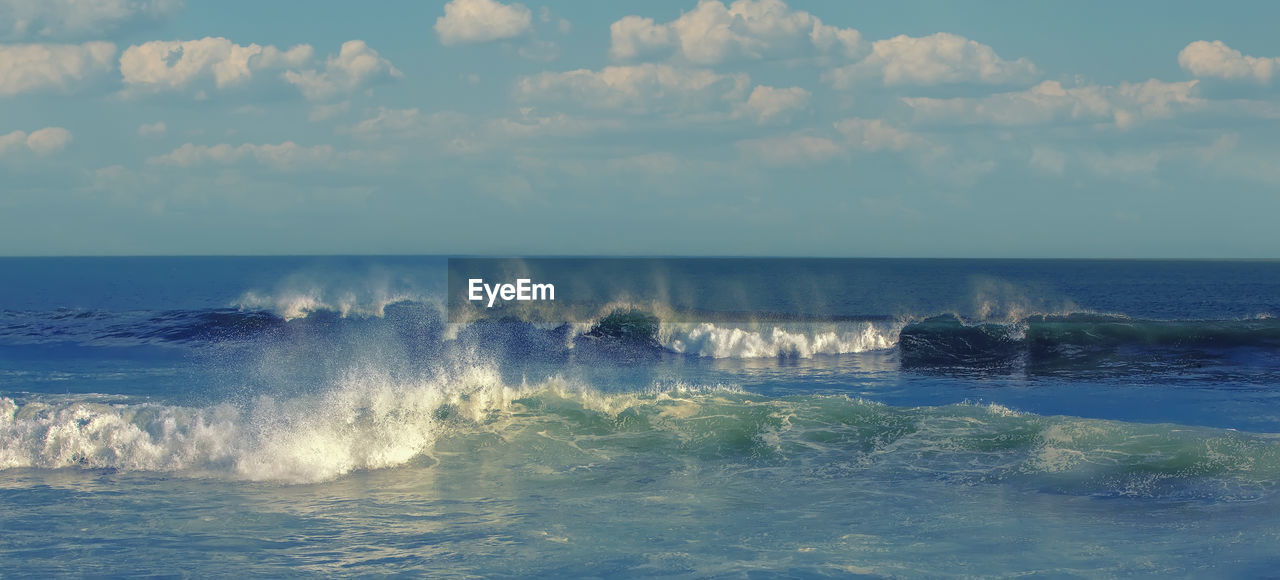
[{"x": 322, "y": 416}]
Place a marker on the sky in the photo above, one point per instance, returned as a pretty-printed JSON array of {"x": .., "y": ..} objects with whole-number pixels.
[{"x": 919, "y": 128}]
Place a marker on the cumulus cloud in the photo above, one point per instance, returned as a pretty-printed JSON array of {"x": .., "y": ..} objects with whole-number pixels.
[
  {"x": 1049, "y": 102},
  {"x": 354, "y": 67},
  {"x": 284, "y": 156},
  {"x": 61, "y": 19},
  {"x": 540, "y": 50},
  {"x": 872, "y": 135},
  {"x": 530, "y": 126},
  {"x": 388, "y": 122},
  {"x": 152, "y": 129},
  {"x": 174, "y": 65},
  {"x": 790, "y": 150},
  {"x": 218, "y": 63},
  {"x": 412, "y": 124},
  {"x": 767, "y": 103},
  {"x": 713, "y": 33},
  {"x": 41, "y": 142},
  {"x": 648, "y": 164},
  {"x": 562, "y": 25},
  {"x": 59, "y": 67},
  {"x": 937, "y": 59},
  {"x": 1218, "y": 61},
  {"x": 456, "y": 133},
  {"x": 474, "y": 21},
  {"x": 856, "y": 135},
  {"x": 644, "y": 88},
  {"x": 12, "y": 140},
  {"x": 1153, "y": 99},
  {"x": 48, "y": 140}
]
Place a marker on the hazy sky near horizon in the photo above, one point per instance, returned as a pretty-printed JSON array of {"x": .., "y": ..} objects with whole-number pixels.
[{"x": 755, "y": 127}]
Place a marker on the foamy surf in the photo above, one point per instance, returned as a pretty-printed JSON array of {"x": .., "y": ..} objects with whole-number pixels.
[
  {"x": 369, "y": 421},
  {"x": 767, "y": 341},
  {"x": 302, "y": 294}
]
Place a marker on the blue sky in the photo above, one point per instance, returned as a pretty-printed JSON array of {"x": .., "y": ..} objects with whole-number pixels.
[{"x": 993, "y": 129}]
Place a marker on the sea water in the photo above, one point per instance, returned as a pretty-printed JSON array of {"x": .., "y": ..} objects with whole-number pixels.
[{"x": 324, "y": 416}]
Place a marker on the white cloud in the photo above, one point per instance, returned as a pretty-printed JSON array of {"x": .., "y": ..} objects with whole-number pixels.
[
  {"x": 633, "y": 35},
  {"x": 642, "y": 88},
  {"x": 325, "y": 112},
  {"x": 937, "y": 59},
  {"x": 218, "y": 63},
  {"x": 355, "y": 66},
  {"x": 48, "y": 140},
  {"x": 12, "y": 140},
  {"x": 284, "y": 156},
  {"x": 112, "y": 176},
  {"x": 156, "y": 129},
  {"x": 174, "y": 65},
  {"x": 873, "y": 135},
  {"x": 41, "y": 142},
  {"x": 530, "y": 126},
  {"x": 473, "y": 21},
  {"x": 563, "y": 26},
  {"x": 388, "y": 122},
  {"x": 790, "y": 150},
  {"x": 648, "y": 164},
  {"x": 408, "y": 124},
  {"x": 713, "y": 33},
  {"x": 933, "y": 159},
  {"x": 456, "y": 133},
  {"x": 1049, "y": 102},
  {"x": 440, "y": 132},
  {"x": 56, "y": 19},
  {"x": 1153, "y": 99},
  {"x": 539, "y": 50},
  {"x": 39, "y": 67},
  {"x": 1217, "y": 60},
  {"x": 1046, "y": 102},
  {"x": 869, "y": 136},
  {"x": 767, "y": 103}
]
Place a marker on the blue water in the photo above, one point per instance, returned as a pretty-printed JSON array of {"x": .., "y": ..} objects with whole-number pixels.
[{"x": 322, "y": 416}]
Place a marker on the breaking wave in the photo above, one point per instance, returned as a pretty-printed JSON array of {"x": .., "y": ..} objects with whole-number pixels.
[
  {"x": 945, "y": 340},
  {"x": 372, "y": 421},
  {"x": 783, "y": 340}
]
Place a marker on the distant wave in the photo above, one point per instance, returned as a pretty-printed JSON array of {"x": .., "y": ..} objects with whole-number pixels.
[
  {"x": 293, "y": 306},
  {"x": 365, "y": 295},
  {"x": 945, "y": 340},
  {"x": 801, "y": 340},
  {"x": 372, "y": 421}
]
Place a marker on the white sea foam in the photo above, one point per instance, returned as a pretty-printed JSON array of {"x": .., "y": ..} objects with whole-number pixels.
[
  {"x": 366, "y": 421},
  {"x": 301, "y": 303},
  {"x": 372, "y": 421},
  {"x": 303, "y": 294},
  {"x": 763, "y": 341}
]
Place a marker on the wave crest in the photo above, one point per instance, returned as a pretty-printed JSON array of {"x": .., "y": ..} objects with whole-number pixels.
[
  {"x": 371, "y": 421},
  {"x": 802, "y": 341},
  {"x": 305, "y": 293}
]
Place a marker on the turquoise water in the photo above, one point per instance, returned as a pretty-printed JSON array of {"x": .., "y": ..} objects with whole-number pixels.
[{"x": 320, "y": 416}]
